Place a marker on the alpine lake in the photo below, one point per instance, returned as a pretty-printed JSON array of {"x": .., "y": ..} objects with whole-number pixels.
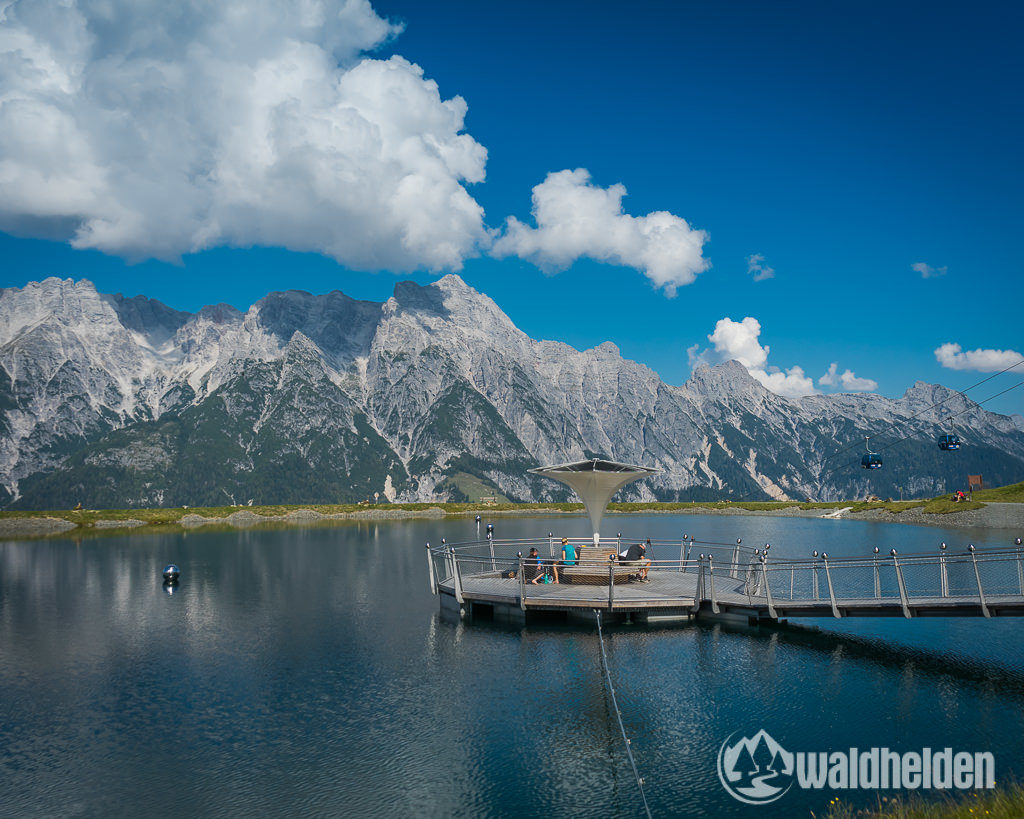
[{"x": 309, "y": 672}]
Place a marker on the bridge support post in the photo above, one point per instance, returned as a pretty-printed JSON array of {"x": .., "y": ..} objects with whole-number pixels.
[
  {"x": 831, "y": 591},
  {"x": 490, "y": 546},
  {"x": 943, "y": 573},
  {"x": 977, "y": 576},
  {"x": 814, "y": 576},
  {"x": 736, "y": 559},
  {"x": 682, "y": 552},
  {"x": 711, "y": 580},
  {"x": 611, "y": 585},
  {"x": 1020, "y": 567},
  {"x": 768, "y": 589},
  {"x": 430, "y": 570},
  {"x": 698, "y": 594},
  {"x": 752, "y": 578},
  {"x": 521, "y": 574},
  {"x": 456, "y": 579},
  {"x": 878, "y": 579},
  {"x": 904, "y": 600}
]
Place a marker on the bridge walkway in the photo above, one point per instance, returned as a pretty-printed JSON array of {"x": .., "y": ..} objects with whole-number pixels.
[{"x": 969, "y": 583}]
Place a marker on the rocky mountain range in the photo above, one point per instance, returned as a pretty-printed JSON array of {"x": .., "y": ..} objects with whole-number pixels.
[{"x": 434, "y": 394}]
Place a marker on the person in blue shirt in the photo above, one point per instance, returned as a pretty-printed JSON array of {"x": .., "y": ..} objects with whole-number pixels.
[
  {"x": 540, "y": 570},
  {"x": 568, "y": 553},
  {"x": 569, "y": 557},
  {"x": 533, "y": 566}
]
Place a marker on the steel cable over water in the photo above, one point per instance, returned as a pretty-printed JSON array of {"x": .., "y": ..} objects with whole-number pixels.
[
  {"x": 907, "y": 437},
  {"x": 618, "y": 715},
  {"x": 918, "y": 414}
]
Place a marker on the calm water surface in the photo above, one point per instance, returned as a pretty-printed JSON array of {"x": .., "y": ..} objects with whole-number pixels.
[{"x": 308, "y": 672}]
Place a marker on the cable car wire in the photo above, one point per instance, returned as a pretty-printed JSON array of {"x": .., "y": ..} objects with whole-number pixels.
[
  {"x": 955, "y": 415},
  {"x": 906, "y": 437},
  {"x": 899, "y": 424}
]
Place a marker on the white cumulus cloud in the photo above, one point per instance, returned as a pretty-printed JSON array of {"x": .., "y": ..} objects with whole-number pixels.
[
  {"x": 147, "y": 128},
  {"x": 577, "y": 219},
  {"x": 738, "y": 340},
  {"x": 983, "y": 361},
  {"x": 854, "y": 383},
  {"x": 847, "y": 379},
  {"x": 927, "y": 271},
  {"x": 791, "y": 383},
  {"x": 758, "y": 269}
]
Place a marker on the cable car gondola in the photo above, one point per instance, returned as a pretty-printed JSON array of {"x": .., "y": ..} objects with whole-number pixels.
[
  {"x": 950, "y": 440},
  {"x": 871, "y": 460}
]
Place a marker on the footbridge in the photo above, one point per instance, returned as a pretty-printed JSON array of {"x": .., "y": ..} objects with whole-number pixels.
[{"x": 693, "y": 578}]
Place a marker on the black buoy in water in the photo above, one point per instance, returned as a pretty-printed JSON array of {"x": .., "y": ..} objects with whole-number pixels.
[{"x": 171, "y": 573}]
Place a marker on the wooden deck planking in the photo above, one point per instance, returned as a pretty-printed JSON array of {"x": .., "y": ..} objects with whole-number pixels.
[{"x": 677, "y": 590}]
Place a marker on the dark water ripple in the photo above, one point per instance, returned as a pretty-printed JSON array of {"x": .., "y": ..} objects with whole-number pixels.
[{"x": 308, "y": 672}]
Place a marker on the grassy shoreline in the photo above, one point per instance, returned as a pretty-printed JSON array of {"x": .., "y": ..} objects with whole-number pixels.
[
  {"x": 164, "y": 516},
  {"x": 1005, "y": 802},
  {"x": 64, "y": 521}
]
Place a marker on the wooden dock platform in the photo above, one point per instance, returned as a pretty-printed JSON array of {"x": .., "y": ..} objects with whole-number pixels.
[{"x": 982, "y": 583}]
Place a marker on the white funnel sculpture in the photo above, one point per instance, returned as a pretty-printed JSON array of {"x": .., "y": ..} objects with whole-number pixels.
[{"x": 595, "y": 481}]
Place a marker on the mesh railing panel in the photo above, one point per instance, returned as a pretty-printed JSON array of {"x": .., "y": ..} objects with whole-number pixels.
[{"x": 739, "y": 573}]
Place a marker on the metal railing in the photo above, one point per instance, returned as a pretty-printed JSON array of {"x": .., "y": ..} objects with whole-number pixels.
[
  {"x": 738, "y": 577},
  {"x": 453, "y": 565},
  {"x": 973, "y": 579},
  {"x": 735, "y": 555}
]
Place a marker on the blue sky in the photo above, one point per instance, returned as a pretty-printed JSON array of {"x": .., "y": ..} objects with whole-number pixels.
[{"x": 867, "y": 153}]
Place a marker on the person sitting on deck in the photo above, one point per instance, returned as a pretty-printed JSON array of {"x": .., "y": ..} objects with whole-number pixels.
[
  {"x": 537, "y": 570},
  {"x": 635, "y": 555},
  {"x": 568, "y": 557},
  {"x": 533, "y": 567}
]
